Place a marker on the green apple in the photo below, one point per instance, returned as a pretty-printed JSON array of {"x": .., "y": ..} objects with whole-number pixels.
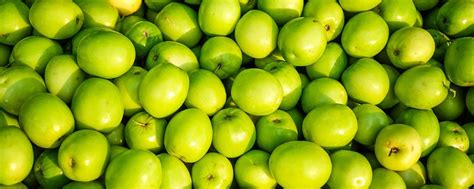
[
  {"x": 46, "y": 120},
  {"x": 151, "y": 14},
  {"x": 370, "y": 120},
  {"x": 179, "y": 22},
  {"x": 18, "y": 83},
  {"x": 7, "y": 119},
  {"x": 426, "y": 124},
  {"x": 419, "y": 20},
  {"x": 469, "y": 128},
  {"x": 470, "y": 100},
  {"x": 423, "y": 5},
  {"x": 281, "y": 11},
  {"x": 47, "y": 170},
  {"x": 398, "y": 147},
  {"x": 366, "y": 81},
  {"x": 84, "y": 185},
  {"x": 83, "y": 155},
  {"x": 134, "y": 169},
  {"x": 364, "y": 35},
  {"x": 450, "y": 167},
  {"x": 358, "y": 5},
  {"x": 331, "y": 64},
  {"x": 290, "y": 82},
  {"x": 398, "y": 13},
  {"x": 415, "y": 176},
  {"x": 458, "y": 62},
  {"x": 410, "y": 46},
  {"x": 442, "y": 42},
  {"x": 349, "y": 170},
  {"x": 188, "y": 135},
  {"x": 175, "y": 174},
  {"x": 256, "y": 34},
  {"x": 116, "y": 150},
  {"x": 257, "y": 92},
  {"x": 212, "y": 171},
  {"x": 212, "y": 23},
  {"x": 390, "y": 99},
  {"x": 327, "y": 12},
  {"x": 206, "y": 91},
  {"x": 17, "y": 155},
  {"x": 322, "y": 91},
  {"x": 174, "y": 53},
  {"x": 157, "y": 5},
  {"x": 302, "y": 41},
  {"x": 144, "y": 35},
  {"x": 97, "y": 104},
  {"x": 5, "y": 51},
  {"x": 422, "y": 87},
  {"x": 105, "y": 54},
  {"x": 15, "y": 25},
  {"x": 275, "y": 129},
  {"x": 166, "y": 85},
  {"x": 62, "y": 76},
  {"x": 145, "y": 132},
  {"x": 252, "y": 171},
  {"x": 453, "y": 105},
  {"x": 330, "y": 125},
  {"x": 35, "y": 52},
  {"x": 98, "y": 13},
  {"x": 456, "y": 19},
  {"x": 128, "y": 85},
  {"x": 221, "y": 55},
  {"x": 126, "y": 24},
  {"x": 452, "y": 134},
  {"x": 384, "y": 178},
  {"x": 310, "y": 165},
  {"x": 56, "y": 19},
  {"x": 83, "y": 34},
  {"x": 116, "y": 136}
]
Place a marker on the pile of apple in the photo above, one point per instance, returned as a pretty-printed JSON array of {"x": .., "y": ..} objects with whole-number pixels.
[{"x": 237, "y": 94}]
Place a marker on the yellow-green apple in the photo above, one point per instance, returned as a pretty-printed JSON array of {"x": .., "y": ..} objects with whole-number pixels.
[
  {"x": 116, "y": 136},
  {"x": 221, "y": 55},
  {"x": 47, "y": 170},
  {"x": 213, "y": 170},
  {"x": 145, "y": 132},
  {"x": 423, "y": 5},
  {"x": 126, "y": 7},
  {"x": 415, "y": 176},
  {"x": 15, "y": 23},
  {"x": 35, "y": 52},
  {"x": 409, "y": 47},
  {"x": 452, "y": 134},
  {"x": 469, "y": 128},
  {"x": 358, "y": 5},
  {"x": 17, "y": 155},
  {"x": 174, "y": 53},
  {"x": 370, "y": 120},
  {"x": 470, "y": 100},
  {"x": 322, "y": 91},
  {"x": 281, "y": 11},
  {"x": 157, "y": 5},
  {"x": 327, "y": 12},
  {"x": 144, "y": 35},
  {"x": 290, "y": 82},
  {"x": 212, "y": 23},
  {"x": 252, "y": 171},
  {"x": 98, "y": 14},
  {"x": 398, "y": 13},
  {"x": 331, "y": 64},
  {"x": 456, "y": 19},
  {"x": 206, "y": 91},
  {"x": 350, "y": 169},
  {"x": 450, "y": 167},
  {"x": 385, "y": 178},
  {"x": 275, "y": 129},
  {"x": 62, "y": 76},
  {"x": 458, "y": 62},
  {"x": 7, "y": 119},
  {"x": 175, "y": 174},
  {"x": 128, "y": 85}
]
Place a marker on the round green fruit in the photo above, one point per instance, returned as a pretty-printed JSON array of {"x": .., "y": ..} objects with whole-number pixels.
[
  {"x": 17, "y": 155},
  {"x": 15, "y": 23},
  {"x": 62, "y": 76}
]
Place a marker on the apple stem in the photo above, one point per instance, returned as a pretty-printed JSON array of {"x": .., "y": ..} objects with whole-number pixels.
[
  {"x": 393, "y": 150},
  {"x": 453, "y": 92}
]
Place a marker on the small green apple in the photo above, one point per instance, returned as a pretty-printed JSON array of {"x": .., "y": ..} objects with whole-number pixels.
[
  {"x": 206, "y": 91},
  {"x": 349, "y": 170},
  {"x": 358, "y": 5},
  {"x": 456, "y": 19},
  {"x": 144, "y": 35},
  {"x": 7, "y": 119},
  {"x": 322, "y": 91},
  {"x": 218, "y": 24},
  {"x": 281, "y": 11},
  {"x": 452, "y": 134},
  {"x": 398, "y": 13},
  {"x": 453, "y": 105},
  {"x": 174, "y": 53},
  {"x": 327, "y": 12},
  {"x": 370, "y": 120},
  {"x": 252, "y": 171},
  {"x": 175, "y": 174},
  {"x": 47, "y": 170},
  {"x": 331, "y": 64},
  {"x": 415, "y": 176},
  {"x": 442, "y": 42},
  {"x": 116, "y": 150},
  {"x": 423, "y": 5},
  {"x": 212, "y": 171},
  {"x": 450, "y": 167},
  {"x": 15, "y": 23},
  {"x": 156, "y": 5},
  {"x": 458, "y": 62},
  {"x": 98, "y": 13},
  {"x": 116, "y": 136},
  {"x": 62, "y": 76},
  {"x": 35, "y": 52},
  {"x": 145, "y": 132},
  {"x": 410, "y": 46},
  {"x": 221, "y": 55},
  {"x": 128, "y": 85},
  {"x": 384, "y": 178},
  {"x": 17, "y": 155},
  {"x": 290, "y": 82},
  {"x": 275, "y": 129}
]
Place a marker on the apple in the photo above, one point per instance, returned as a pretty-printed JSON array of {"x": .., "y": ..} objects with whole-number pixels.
[
  {"x": 174, "y": 53},
  {"x": 426, "y": 124},
  {"x": 385, "y": 178},
  {"x": 275, "y": 129},
  {"x": 7, "y": 119},
  {"x": 126, "y": 24},
  {"x": 469, "y": 128},
  {"x": 415, "y": 176},
  {"x": 390, "y": 99},
  {"x": 358, "y": 5},
  {"x": 364, "y": 35},
  {"x": 35, "y": 52},
  {"x": 5, "y": 51},
  {"x": 221, "y": 55},
  {"x": 281, "y": 11},
  {"x": 331, "y": 64},
  {"x": 366, "y": 81},
  {"x": 156, "y": 5},
  {"x": 62, "y": 76},
  {"x": 212, "y": 171},
  {"x": 458, "y": 62},
  {"x": 206, "y": 91},
  {"x": 349, "y": 170},
  {"x": 398, "y": 13},
  {"x": 218, "y": 24},
  {"x": 134, "y": 169},
  {"x": 15, "y": 25},
  {"x": 410, "y": 46},
  {"x": 47, "y": 170},
  {"x": 97, "y": 104},
  {"x": 128, "y": 84},
  {"x": 145, "y": 132},
  {"x": 290, "y": 82},
  {"x": 370, "y": 120},
  {"x": 116, "y": 150},
  {"x": 56, "y": 19},
  {"x": 252, "y": 171},
  {"x": 422, "y": 87},
  {"x": 398, "y": 147},
  {"x": 322, "y": 91},
  {"x": 18, "y": 83},
  {"x": 310, "y": 165},
  {"x": 184, "y": 28},
  {"x": 450, "y": 167},
  {"x": 256, "y": 34},
  {"x": 17, "y": 155},
  {"x": 442, "y": 42},
  {"x": 453, "y": 105},
  {"x": 452, "y": 134},
  {"x": 144, "y": 35},
  {"x": 330, "y": 126},
  {"x": 470, "y": 100},
  {"x": 83, "y": 34},
  {"x": 116, "y": 136},
  {"x": 126, "y": 7},
  {"x": 84, "y": 185},
  {"x": 164, "y": 84},
  {"x": 455, "y": 18},
  {"x": 173, "y": 168},
  {"x": 423, "y": 5},
  {"x": 188, "y": 135},
  {"x": 98, "y": 14},
  {"x": 327, "y": 12}
]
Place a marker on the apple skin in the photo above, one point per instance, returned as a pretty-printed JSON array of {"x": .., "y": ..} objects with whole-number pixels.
[
  {"x": 83, "y": 155},
  {"x": 281, "y": 11},
  {"x": 331, "y": 64},
  {"x": 145, "y": 132},
  {"x": 173, "y": 168},
  {"x": 206, "y": 92},
  {"x": 84, "y": 185},
  {"x": 116, "y": 150},
  {"x": 97, "y": 104},
  {"x": 257, "y": 92},
  {"x": 46, "y": 120},
  {"x": 322, "y": 91},
  {"x": 453, "y": 105},
  {"x": 290, "y": 82},
  {"x": 310, "y": 168},
  {"x": 188, "y": 135},
  {"x": 327, "y": 12},
  {"x": 174, "y": 53},
  {"x": 35, "y": 52},
  {"x": 256, "y": 34},
  {"x": 385, "y": 178},
  {"x": 398, "y": 147},
  {"x": 349, "y": 170},
  {"x": 415, "y": 176},
  {"x": 127, "y": 23},
  {"x": 128, "y": 85},
  {"x": 213, "y": 170},
  {"x": 17, "y": 155},
  {"x": 98, "y": 14},
  {"x": 358, "y": 5},
  {"x": 469, "y": 128},
  {"x": 364, "y": 35},
  {"x": 116, "y": 136},
  {"x": 455, "y": 18},
  {"x": 126, "y": 8},
  {"x": 275, "y": 129},
  {"x": 398, "y": 13},
  {"x": 7, "y": 119},
  {"x": 252, "y": 171},
  {"x": 221, "y": 55},
  {"x": 442, "y": 42},
  {"x": 450, "y": 167},
  {"x": 212, "y": 23},
  {"x": 62, "y": 76},
  {"x": 410, "y": 46},
  {"x": 423, "y": 5},
  {"x": 302, "y": 41},
  {"x": 144, "y": 35},
  {"x": 83, "y": 34},
  {"x": 164, "y": 84},
  {"x": 452, "y": 134},
  {"x": 458, "y": 62},
  {"x": 390, "y": 99},
  {"x": 47, "y": 170},
  {"x": 134, "y": 169},
  {"x": 16, "y": 25},
  {"x": 370, "y": 120}
]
